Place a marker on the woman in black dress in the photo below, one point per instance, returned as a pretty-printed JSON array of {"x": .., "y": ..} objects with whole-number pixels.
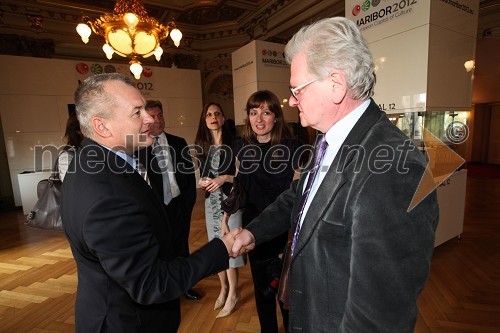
[{"x": 267, "y": 163}]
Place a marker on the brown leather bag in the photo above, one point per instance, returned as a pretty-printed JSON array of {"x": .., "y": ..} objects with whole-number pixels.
[
  {"x": 283, "y": 289},
  {"x": 236, "y": 199}
]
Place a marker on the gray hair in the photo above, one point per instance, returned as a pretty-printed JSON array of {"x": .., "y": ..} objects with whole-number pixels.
[
  {"x": 336, "y": 43},
  {"x": 91, "y": 99}
]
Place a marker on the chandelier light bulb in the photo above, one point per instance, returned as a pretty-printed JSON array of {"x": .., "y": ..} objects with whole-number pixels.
[
  {"x": 136, "y": 69},
  {"x": 158, "y": 52},
  {"x": 469, "y": 65},
  {"x": 129, "y": 32},
  {"x": 131, "y": 20},
  {"x": 84, "y": 32},
  {"x": 176, "y": 36},
  {"x": 108, "y": 50}
]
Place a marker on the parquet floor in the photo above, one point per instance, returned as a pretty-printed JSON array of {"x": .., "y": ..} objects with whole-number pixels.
[{"x": 38, "y": 277}]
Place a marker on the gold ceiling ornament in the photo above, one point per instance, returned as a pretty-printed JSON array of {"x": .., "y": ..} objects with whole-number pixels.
[{"x": 130, "y": 32}]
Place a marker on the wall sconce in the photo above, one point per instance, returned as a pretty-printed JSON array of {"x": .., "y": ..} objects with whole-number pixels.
[{"x": 469, "y": 65}]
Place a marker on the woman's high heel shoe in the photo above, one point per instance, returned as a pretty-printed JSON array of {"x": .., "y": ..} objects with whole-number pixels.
[
  {"x": 224, "y": 312},
  {"x": 219, "y": 304}
]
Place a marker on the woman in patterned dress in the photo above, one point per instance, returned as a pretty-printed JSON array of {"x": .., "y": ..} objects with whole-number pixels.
[{"x": 217, "y": 170}]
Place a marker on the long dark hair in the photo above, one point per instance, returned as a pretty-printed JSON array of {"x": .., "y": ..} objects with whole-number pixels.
[
  {"x": 204, "y": 138},
  {"x": 280, "y": 129},
  {"x": 73, "y": 132}
]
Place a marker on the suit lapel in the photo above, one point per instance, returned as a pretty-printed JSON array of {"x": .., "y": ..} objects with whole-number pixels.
[
  {"x": 174, "y": 151},
  {"x": 330, "y": 185},
  {"x": 125, "y": 170},
  {"x": 333, "y": 180}
]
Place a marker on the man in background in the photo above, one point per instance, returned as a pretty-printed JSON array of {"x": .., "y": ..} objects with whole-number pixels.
[{"x": 174, "y": 179}]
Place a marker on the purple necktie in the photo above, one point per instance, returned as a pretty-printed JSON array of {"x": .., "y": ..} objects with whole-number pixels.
[{"x": 320, "y": 150}]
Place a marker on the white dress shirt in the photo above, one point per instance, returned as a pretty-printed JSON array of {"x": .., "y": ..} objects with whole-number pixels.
[{"x": 335, "y": 136}]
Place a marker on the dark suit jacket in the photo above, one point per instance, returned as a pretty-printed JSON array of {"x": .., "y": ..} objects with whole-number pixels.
[
  {"x": 129, "y": 278},
  {"x": 361, "y": 259},
  {"x": 183, "y": 168},
  {"x": 179, "y": 211}
]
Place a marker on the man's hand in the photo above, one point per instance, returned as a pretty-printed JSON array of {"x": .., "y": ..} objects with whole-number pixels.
[
  {"x": 229, "y": 239},
  {"x": 244, "y": 243}
]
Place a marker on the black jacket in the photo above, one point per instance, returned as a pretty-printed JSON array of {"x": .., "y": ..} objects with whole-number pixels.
[
  {"x": 129, "y": 279},
  {"x": 361, "y": 259}
]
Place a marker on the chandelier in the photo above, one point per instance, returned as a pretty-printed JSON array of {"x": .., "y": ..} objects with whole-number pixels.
[{"x": 130, "y": 32}]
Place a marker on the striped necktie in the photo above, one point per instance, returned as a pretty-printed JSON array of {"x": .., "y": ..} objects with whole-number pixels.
[
  {"x": 141, "y": 170},
  {"x": 320, "y": 150},
  {"x": 162, "y": 162}
]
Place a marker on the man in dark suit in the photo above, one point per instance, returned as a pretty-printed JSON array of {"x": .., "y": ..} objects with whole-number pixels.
[
  {"x": 129, "y": 276},
  {"x": 174, "y": 179},
  {"x": 360, "y": 256}
]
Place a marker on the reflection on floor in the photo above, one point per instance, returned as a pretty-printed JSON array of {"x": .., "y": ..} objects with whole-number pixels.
[{"x": 38, "y": 277}]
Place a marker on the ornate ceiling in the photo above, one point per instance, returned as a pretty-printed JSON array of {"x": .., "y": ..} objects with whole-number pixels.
[
  {"x": 47, "y": 27},
  {"x": 211, "y": 29},
  {"x": 207, "y": 25}
]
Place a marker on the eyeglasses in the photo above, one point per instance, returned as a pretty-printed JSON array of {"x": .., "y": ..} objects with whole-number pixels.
[{"x": 296, "y": 91}]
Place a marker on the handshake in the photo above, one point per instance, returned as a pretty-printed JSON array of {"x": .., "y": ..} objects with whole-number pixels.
[{"x": 238, "y": 241}]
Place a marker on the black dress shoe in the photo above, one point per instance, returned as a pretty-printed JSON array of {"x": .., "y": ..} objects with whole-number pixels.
[{"x": 192, "y": 295}]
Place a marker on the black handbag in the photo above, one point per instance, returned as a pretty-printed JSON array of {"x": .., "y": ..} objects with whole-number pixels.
[
  {"x": 236, "y": 198},
  {"x": 45, "y": 213}
]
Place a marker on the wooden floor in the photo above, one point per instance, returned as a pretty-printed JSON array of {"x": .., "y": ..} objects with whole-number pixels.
[{"x": 38, "y": 277}]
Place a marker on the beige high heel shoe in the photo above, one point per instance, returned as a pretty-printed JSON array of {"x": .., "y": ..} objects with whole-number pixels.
[
  {"x": 224, "y": 312},
  {"x": 219, "y": 304}
]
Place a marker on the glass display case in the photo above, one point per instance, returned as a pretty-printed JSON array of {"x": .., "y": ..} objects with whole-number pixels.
[
  {"x": 443, "y": 124},
  {"x": 450, "y": 134},
  {"x": 448, "y": 127}
]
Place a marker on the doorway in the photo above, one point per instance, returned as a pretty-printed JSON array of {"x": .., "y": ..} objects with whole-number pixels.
[{"x": 6, "y": 194}]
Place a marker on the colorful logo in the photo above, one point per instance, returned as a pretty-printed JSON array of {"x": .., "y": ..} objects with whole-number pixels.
[
  {"x": 109, "y": 69},
  {"x": 82, "y": 68},
  {"x": 96, "y": 69},
  {"x": 147, "y": 72},
  {"x": 273, "y": 53},
  {"x": 364, "y": 6}
]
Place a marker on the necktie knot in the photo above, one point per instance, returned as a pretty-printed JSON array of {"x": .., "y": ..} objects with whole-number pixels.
[{"x": 156, "y": 145}]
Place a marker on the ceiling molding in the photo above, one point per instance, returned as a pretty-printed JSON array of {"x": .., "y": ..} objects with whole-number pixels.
[{"x": 207, "y": 25}]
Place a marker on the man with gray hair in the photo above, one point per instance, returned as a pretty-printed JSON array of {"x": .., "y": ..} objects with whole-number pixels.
[
  {"x": 359, "y": 256},
  {"x": 129, "y": 276}
]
